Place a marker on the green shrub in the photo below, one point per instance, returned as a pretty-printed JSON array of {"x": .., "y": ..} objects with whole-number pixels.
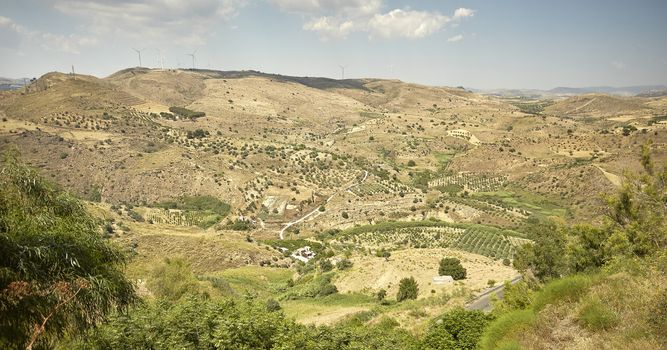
[
  {"x": 272, "y": 305},
  {"x": 457, "y": 329},
  {"x": 326, "y": 265},
  {"x": 407, "y": 289},
  {"x": 597, "y": 316},
  {"x": 505, "y": 327},
  {"x": 173, "y": 279},
  {"x": 570, "y": 288},
  {"x": 343, "y": 264}
]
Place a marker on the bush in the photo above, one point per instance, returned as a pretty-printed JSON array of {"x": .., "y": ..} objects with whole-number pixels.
[
  {"x": 505, "y": 327},
  {"x": 516, "y": 297},
  {"x": 452, "y": 267},
  {"x": 173, "y": 279},
  {"x": 272, "y": 305},
  {"x": 596, "y": 316},
  {"x": 326, "y": 265},
  {"x": 566, "y": 289},
  {"x": 457, "y": 329},
  {"x": 344, "y": 264},
  {"x": 407, "y": 289}
]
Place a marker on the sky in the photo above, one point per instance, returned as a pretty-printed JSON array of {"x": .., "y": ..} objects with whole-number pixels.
[{"x": 488, "y": 44}]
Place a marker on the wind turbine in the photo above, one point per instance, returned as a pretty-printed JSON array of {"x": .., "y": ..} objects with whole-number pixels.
[
  {"x": 139, "y": 53},
  {"x": 193, "y": 57},
  {"x": 342, "y": 72},
  {"x": 160, "y": 58}
]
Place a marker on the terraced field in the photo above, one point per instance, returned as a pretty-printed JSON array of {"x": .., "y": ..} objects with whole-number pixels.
[
  {"x": 470, "y": 181},
  {"x": 478, "y": 239}
]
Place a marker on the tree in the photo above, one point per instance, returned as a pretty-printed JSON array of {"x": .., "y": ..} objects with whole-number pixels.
[
  {"x": 57, "y": 272},
  {"x": 452, "y": 267},
  {"x": 547, "y": 257},
  {"x": 407, "y": 289},
  {"x": 381, "y": 294}
]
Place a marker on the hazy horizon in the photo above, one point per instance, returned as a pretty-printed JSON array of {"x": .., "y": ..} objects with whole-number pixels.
[{"x": 475, "y": 44}]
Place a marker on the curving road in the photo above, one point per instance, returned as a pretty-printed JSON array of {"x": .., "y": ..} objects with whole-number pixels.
[
  {"x": 317, "y": 211},
  {"x": 483, "y": 301}
]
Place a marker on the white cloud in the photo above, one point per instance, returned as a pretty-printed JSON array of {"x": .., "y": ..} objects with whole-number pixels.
[
  {"x": 351, "y": 8},
  {"x": 335, "y": 19},
  {"x": 329, "y": 27},
  {"x": 183, "y": 22},
  {"x": 617, "y": 64},
  {"x": 463, "y": 13},
  {"x": 12, "y": 33},
  {"x": 406, "y": 24},
  {"x": 455, "y": 38}
]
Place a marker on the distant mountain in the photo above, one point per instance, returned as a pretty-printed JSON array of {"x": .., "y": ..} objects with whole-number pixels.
[
  {"x": 12, "y": 84},
  {"x": 641, "y": 90},
  {"x": 624, "y": 91}
]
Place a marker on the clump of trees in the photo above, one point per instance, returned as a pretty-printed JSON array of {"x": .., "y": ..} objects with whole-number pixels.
[
  {"x": 197, "y": 134},
  {"x": 452, "y": 267},
  {"x": 186, "y": 113},
  {"x": 57, "y": 273}
]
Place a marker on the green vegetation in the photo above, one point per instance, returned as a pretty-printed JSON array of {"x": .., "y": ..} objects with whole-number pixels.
[
  {"x": 204, "y": 211},
  {"x": 186, "y": 113},
  {"x": 596, "y": 275},
  {"x": 197, "y": 323},
  {"x": 57, "y": 272},
  {"x": 532, "y": 107},
  {"x": 172, "y": 280},
  {"x": 197, "y": 134},
  {"x": 478, "y": 239},
  {"x": 452, "y": 267},
  {"x": 407, "y": 289},
  {"x": 457, "y": 329}
]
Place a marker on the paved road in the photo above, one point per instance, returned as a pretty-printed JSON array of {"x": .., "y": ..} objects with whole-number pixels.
[
  {"x": 483, "y": 301},
  {"x": 317, "y": 211}
]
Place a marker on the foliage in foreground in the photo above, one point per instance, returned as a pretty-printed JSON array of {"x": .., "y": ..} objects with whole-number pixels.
[
  {"x": 635, "y": 227},
  {"x": 57, "y": 273},
  {"x": 609, "y": 279},
  {"x": 201, "y": 323}
]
